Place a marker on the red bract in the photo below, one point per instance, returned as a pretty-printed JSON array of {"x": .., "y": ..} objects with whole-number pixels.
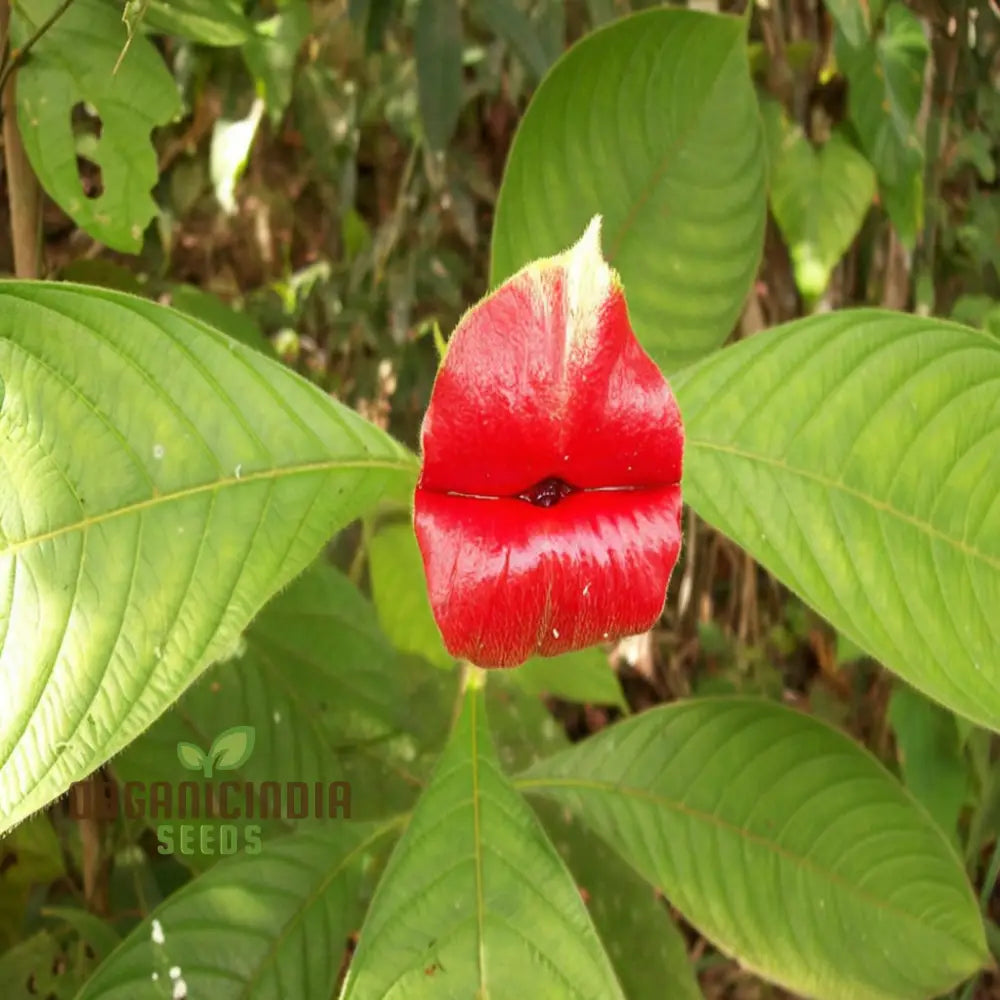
[{"x": 548, "y": 507}]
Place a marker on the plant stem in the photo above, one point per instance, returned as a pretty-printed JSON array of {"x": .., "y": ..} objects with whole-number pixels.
[
  {"x": 992, "y": 873},
  {"x": 23, "y": 192}
]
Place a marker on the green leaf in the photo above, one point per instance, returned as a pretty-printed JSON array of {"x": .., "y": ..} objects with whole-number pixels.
[
  {"x": 271, "y": 53},
  {"x": 854, "y": 455},
  {"x": 210, "y": 22},
  {"x": 507, "y": 21},
  {"x": 262, "y": 925},
  {"x": 929, "y": 748},
  {"x": 786, "y": 844},
  {"x": 30, "y": 857},
  {"x": 130, "y": 103},
  {"x": 438, "y": 43},
  {"x": 330, "y": 700},
  {"x": 584, "y": 676},
  {"x": 819, "y": 198},
  {"x": 160, "y": 483},
  {"x": 475, "y": 901},
  {"x": 631, "y": 919},
  {"x": 191, "y": 756},
  {"x": 904, "y": 201},
  {"x": 98, "y": 934},
  {"x": 400, "y": 593},
  {"x": 42, "y": 966},
  {"x": 851, "y": 16},
  {"x": 886, "y": 79},
  {"x": 653, "y": 123},
  {"x": 232, "y": 748}
]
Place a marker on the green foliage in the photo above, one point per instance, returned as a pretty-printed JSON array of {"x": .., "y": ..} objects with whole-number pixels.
[
  {"x": 583, "y": 676},
  {"x": 669, "y": 129},
  {"x": 439, "y": 68},
  {"x": 221, "y": 22},
  {"x": 630, "y": 917},
  {"x": 777, "y": 795},
  {"x": 854, "y": 456},
  {"x": 129, "y": 103},
  {"x": 886, "y": 79},
  {"x": 929, "y": 747},
  {"x": 819, "y": 198},
  {"x": 322, "y": 178},
  {"x": 257, "y": 925},
  {"x": 190, "y": 517},
  {"x": 404, "y": 608},
  {"x": 476, "y": 868},
  {"x": 330, "y": 700}
]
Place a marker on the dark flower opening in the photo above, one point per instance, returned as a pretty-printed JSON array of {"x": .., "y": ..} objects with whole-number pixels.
[{"x": 547, "y": 493}]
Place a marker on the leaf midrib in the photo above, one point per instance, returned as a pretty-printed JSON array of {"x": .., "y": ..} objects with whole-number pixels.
[
  {"x": 660, "y": 169},
  {"x": 267, "y": 475},
  {"x": 710, "y": 819},
  {"x": 883, "y": 506}
]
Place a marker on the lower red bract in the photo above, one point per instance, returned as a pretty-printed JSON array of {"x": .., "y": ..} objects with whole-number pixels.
[{"x": 509, "y": 580}]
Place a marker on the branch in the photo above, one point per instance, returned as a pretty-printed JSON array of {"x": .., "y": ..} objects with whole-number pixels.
[{"x": 23, "y": 192}]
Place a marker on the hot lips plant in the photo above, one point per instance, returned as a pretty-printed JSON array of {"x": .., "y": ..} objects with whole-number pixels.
[
  {"x": 548, "y": 506},
  {"x": 165, "y": 493}
]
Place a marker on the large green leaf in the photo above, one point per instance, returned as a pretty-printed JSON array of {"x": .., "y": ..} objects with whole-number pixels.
[
  {"x": 265, "y": 926},
  {"x": 328, "y": 698},
  {"x": 784, "y": 842},
  {"x": 160, "y": 482},
  {"x": 475, "y": 900},
  {"x": 819, "y": 198},
  {"x": 855, "y": 455},
  {"x": 73, "y": 64},
  {"x": 652, "y": 122}
]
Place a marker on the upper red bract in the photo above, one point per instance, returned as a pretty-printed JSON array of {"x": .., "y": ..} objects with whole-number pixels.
[{"x": 548, "y": 505}]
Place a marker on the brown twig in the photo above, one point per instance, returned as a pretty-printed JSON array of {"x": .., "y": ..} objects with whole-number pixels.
[{"x": 23, "y": 192}]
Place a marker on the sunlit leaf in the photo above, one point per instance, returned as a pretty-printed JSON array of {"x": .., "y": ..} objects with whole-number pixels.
[
  {"x": 160, "y": 483},
  {"x": 785, "y": 843},
  {"x": 661, "y": 109},
  {"x": 855, "y": 456},
  {"x": 475, "y": 901}
]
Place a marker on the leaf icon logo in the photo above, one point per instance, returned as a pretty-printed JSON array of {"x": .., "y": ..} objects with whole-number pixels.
[{"x": 230, "y": 750}]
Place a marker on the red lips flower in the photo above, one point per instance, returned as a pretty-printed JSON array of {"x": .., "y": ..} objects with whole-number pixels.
[{"x": 548, "y": 506}]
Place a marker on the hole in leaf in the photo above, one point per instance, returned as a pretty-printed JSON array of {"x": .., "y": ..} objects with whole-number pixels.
[{"x": 87, "y": 127}]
